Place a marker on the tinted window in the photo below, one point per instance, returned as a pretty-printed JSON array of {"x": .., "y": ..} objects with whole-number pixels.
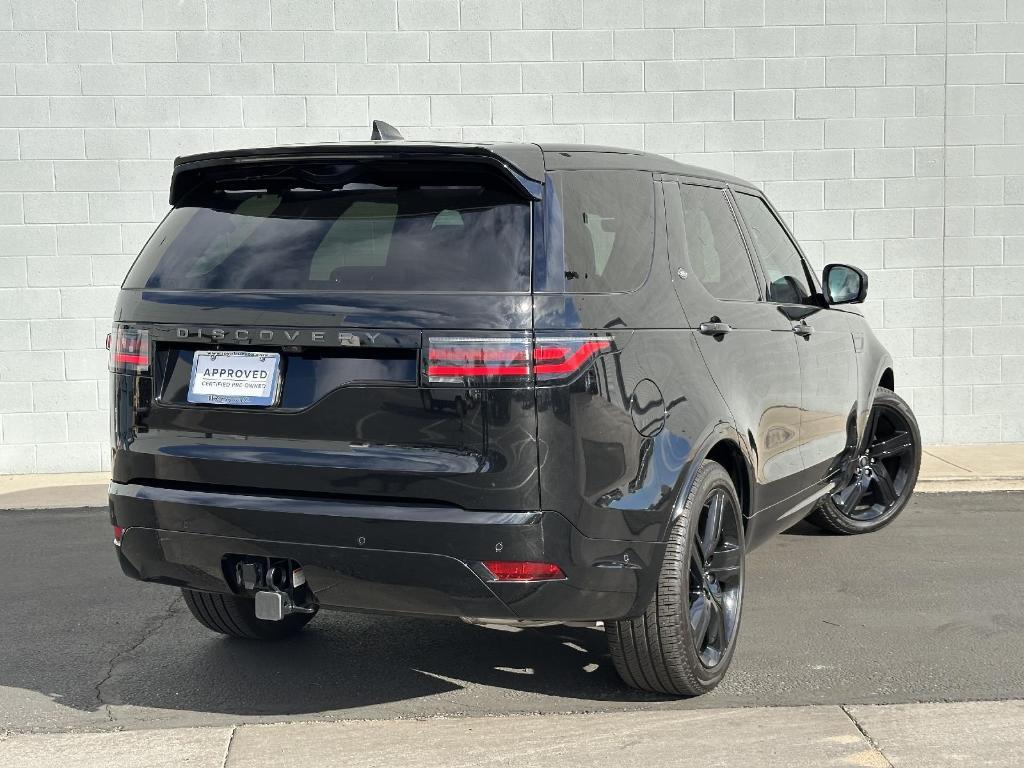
[
  {"x": 608, "y": 229},
  {"x": 344, "y": 228},
  {"x": 787, "y": 278},
  {"x": 714, "y": 246}
]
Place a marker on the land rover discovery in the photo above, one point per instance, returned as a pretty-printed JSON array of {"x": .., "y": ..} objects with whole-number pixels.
[{"x": 505, "y": 382}]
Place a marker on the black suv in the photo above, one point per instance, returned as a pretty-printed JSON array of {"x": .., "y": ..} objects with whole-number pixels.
[{"x": 503, "y": 382}]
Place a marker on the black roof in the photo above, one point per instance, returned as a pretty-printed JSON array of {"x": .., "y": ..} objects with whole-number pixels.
[
  {"x": 529, "y": 160},
  {"x": 604, "y": 157}
]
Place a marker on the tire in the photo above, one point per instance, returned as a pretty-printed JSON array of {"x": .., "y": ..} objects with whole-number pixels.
[
  {"x": 236, "y": 616},
  {"x": 657, "y": 651},
  {"x": 888, "y": 412}
]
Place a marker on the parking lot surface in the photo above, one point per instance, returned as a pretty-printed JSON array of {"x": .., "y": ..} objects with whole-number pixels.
[{"x": 929, "y": 609}]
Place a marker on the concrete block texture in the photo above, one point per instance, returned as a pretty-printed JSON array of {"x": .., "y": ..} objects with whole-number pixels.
[{"x": 889, "y": 133}]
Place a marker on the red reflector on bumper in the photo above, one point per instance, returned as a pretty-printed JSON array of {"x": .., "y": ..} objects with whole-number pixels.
[
  {"x": 118, "y": 534},
  {"x": 504, "y": 570}
]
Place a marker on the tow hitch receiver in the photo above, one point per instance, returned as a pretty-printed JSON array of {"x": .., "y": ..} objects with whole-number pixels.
[
  {"x": 278, "y": 586},
  {"x": 274, "y": 606}
]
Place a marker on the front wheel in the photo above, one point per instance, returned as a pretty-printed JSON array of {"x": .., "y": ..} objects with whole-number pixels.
[
  {"x": 683, "y": 643},
  {"x": 876, "y": 483}
]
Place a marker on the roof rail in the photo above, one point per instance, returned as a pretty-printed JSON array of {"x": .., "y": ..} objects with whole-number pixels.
[{"x": 385, "y": 132}]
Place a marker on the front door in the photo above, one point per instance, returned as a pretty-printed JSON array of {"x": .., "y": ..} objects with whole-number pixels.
[
  {"x": 747, "y": 344},
  {"x": 823, "y": 336}
]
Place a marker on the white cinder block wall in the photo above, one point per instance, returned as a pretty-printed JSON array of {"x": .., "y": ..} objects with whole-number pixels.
[{"x": 891, "y": 132}]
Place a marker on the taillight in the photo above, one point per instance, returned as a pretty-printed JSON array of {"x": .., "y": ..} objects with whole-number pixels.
[
  {"x": 118, "y": 535},
  {"x": 510, "y": 361},
  {"x": 480, "y": 360},
  {"x": 129, "y": 350},
  {"x": 559, "y": 358},
  {"x": 507, "y": 570}
]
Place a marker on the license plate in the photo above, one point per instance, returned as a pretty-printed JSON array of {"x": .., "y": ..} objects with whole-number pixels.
[{"x": 235, "y": 378}]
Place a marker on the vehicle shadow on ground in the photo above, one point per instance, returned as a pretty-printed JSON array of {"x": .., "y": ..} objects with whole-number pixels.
[
  {"x": 344, "y": 661},
  {"x": 82, "y": 635},
  {"x": 804, "y": 528}
]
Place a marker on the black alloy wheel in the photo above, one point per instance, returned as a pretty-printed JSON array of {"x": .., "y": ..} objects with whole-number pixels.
[
  {"x": 715, "y": 579},
  {"x": 876, "y": 482},
  {"x": 683, "y": 642}
]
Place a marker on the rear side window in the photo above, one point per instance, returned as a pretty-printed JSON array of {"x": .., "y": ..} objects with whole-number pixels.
[
  {"x": 608, "y": 229},
  {"x": 787, "y": 278},
  {"x": 714, "y": 246},
  {"x": 356, "y": 227}
]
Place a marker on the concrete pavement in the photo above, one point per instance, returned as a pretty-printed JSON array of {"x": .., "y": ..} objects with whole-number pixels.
[
  {"x": 930, "y": 608},
  {"x": 995, "y": 467},
  {"x": 971, "y": 734},
  {"x": 842, "y": 639},
  {"x": 98, "y": 670},
  {"x": 58, "y": 491}
]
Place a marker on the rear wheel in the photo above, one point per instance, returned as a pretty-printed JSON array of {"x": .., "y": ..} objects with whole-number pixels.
[
  {"x": 236, "y": 616},
  {"x": 683, "y": 643},
  {"x": 877, "y": 482}
]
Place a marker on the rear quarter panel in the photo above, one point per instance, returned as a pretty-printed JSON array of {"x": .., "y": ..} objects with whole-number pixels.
[
  {"x": 610, "y": 478},
  {"x": 597, "y": 468}
]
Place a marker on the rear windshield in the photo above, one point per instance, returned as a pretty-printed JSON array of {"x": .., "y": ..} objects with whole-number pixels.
[{"x": 354, "y": 227}]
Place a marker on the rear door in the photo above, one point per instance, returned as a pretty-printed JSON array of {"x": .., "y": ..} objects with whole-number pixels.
[
  {"x": 823, "y": 336},
  {"x": 347, "y": 274},
  {"x": 748, "y": 345}
]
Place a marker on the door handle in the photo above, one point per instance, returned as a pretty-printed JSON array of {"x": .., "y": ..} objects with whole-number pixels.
[
  {"x": 715, "y": 328},
  {"x": 803, "y": 329}
]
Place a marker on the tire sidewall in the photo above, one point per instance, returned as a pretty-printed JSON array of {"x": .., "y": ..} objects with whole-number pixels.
[{"x": 712, "y": 476}]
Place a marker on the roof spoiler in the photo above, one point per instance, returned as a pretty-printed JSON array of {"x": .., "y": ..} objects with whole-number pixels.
[{"x": 522, "y": 164}]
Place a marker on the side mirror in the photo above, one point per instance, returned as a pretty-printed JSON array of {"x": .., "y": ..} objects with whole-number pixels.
[{"x": 845, "y": 284}]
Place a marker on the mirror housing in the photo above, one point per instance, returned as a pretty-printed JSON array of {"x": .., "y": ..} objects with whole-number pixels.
[{"x": 844, "y": 284}]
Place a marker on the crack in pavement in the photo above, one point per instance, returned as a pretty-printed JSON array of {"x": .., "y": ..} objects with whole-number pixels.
[
  {"x": 151, "y": 627},
  {"x": 866, "y": 735},
  {"x": 227, "y": 748}
]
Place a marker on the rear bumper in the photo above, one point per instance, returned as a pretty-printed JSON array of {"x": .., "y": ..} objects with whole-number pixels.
[{"x": 384, "y": 557}]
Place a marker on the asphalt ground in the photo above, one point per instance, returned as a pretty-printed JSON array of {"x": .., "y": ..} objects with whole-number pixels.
[{"x": 929, "y": 609}]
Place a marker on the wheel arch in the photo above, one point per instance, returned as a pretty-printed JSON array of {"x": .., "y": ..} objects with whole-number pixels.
[
  {"x": 725, "y": 446},
  {"x": 727, "y": 453},
  {"x": 888, "y": 379},
  {"x": 884, "y": 376}
]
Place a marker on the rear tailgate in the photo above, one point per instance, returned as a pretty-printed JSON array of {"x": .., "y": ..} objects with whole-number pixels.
[
  {"x": 352, "y": 417},
  {"x": 344, "y": 269}
]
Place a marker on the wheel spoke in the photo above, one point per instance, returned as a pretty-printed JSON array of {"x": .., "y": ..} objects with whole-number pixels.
[
  {"x": 716, "y": 632},
  {"x": 697, "y": 564},
  {"x": 711, "y": 657},
  {"x": 725, "y": 562},
  {"x": 893, "y": 446},
  {"x": 849, "y": 471},
  {"x": 700, "y": 620},
  {"x": 871, "y": 427},
  {"x": 848, "y": 498},
  {"x": 712, "y": 525},
  {"x": 883, "y": 483}
]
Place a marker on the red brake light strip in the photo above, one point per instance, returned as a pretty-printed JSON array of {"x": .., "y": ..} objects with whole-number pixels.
[
  {"x": 457, "y": 360},
  {"x": 565, "y": 358},
  {"x": 122, "y": 357}
]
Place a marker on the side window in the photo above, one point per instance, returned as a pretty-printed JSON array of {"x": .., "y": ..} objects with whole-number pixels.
[
  {"x": 787, "y": 278},
  {"x": 714, "y": 246},
  {"x": 608, "y": 229}
]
